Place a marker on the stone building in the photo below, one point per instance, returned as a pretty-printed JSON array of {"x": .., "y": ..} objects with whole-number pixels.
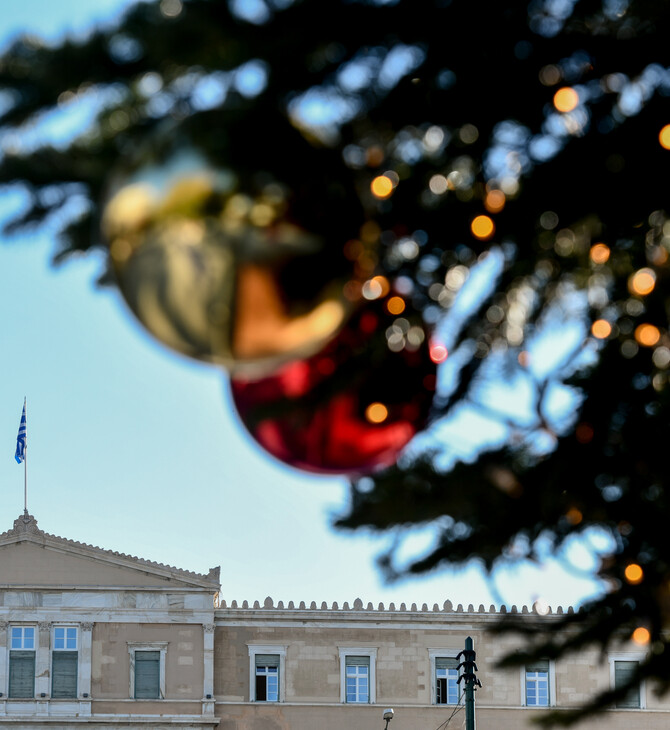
[{"x": 92, "y": 636}]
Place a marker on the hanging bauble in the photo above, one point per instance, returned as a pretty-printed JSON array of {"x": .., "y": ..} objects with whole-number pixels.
[
  {"x": 350, "y": 408},
  {"x": 234, "y": 271}
]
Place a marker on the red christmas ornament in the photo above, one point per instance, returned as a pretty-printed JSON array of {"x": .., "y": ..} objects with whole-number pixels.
[{"x": 352, "y": 407}]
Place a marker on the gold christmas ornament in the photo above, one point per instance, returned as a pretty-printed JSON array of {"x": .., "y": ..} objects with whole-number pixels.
[{"x": 221, "y": 274}]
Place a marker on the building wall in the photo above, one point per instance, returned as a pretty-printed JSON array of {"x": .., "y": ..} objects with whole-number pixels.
[{"x": 404, "y": 640}]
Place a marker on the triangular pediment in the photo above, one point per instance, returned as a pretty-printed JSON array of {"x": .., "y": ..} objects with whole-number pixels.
[{"x": 30, "y": 557}]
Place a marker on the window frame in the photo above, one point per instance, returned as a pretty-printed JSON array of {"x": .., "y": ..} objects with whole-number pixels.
[
  {"x": 55, "y": 628},
  {"x": 159, "y": 646},
  {"x": 273, "y": 649},
  {"x": 11, "y": 648},
  {"x": 551, "y": 686},
  {"x": 371, "y": 653},
  {"x": 628, "y": 657},
  {"x": 433, "y": 655}
]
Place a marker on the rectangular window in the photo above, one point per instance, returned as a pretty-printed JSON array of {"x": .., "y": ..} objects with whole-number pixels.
[
  {"x": 623, "y": 671},
  {"x": 357, "y": 674},
  {"x": 267, "y": 677},
  {"x": 64, "y": 662},
  {"x": 446, "y": 681},
  {"x": 537, "y": 684},
  {"x": 22, "y": 661},
  {"x": 147, "y": 675},
  {"x": 65, "y": 638}
]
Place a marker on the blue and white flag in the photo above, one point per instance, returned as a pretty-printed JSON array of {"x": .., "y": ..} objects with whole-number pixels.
[{"x": 20, "y": 454}]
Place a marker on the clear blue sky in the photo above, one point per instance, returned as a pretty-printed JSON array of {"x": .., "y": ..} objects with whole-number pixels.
[{"x": 135, "y": 449}]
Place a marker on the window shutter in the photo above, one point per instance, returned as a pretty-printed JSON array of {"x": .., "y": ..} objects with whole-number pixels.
[
  {"x": 446, "y": 662},
  {"x": 358, "y": 661},
  {"x": 539, "y": 666},
  {"x": 147, "y": 675},
  {"x": 623, "y": 671},
  {"x": 64, "y": 666},
  {"x": 21, "y": 673},
  {"x": 267, "y": 660}
]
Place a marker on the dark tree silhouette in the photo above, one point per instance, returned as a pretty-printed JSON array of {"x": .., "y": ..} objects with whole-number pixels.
[{"x": 548, "y": 119}]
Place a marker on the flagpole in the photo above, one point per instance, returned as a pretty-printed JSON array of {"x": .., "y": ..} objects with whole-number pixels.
[{"x": 25, "y": 468}]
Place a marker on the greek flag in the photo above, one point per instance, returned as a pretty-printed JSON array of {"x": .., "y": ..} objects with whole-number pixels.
[{"x": 20, "y": 454}]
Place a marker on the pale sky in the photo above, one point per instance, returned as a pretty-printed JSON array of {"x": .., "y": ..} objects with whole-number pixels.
[{"x": 135, "y": 449}]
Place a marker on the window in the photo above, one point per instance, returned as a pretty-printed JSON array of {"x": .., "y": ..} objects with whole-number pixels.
[
  {"x": 623, "y": 671},
  {"x": 64, "y": 662},
  {"x": 267, "y": 677},
  {"x": 357, "y": 675},
  {"x": 266, "y": 673},
  {"x": 446, "y": 681},
  {"x": 147, "y": 675},
  {"x": 22, "y": 661},
  {"x": 444, "y": 687},
  {"x": 147, "y": 670},
  {"x": 358, "y": 678},
  {"x": 537, "y": 684}
]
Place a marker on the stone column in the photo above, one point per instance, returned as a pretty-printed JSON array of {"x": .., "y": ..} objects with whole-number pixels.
[
  {"x": 208, "y": 683},
  {"x": 4, "y": 663},
  {"x": 43, "y": 660},
  {"x": 85, "y": 661}
]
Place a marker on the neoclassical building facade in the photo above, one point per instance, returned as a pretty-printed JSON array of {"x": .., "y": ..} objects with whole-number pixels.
[{"x": 91, "y": 636}]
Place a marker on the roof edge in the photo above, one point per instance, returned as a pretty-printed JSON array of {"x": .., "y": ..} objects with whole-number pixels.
[{"x": 25, "y": 528}]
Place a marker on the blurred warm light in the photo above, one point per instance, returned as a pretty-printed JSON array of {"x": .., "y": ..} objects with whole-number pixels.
[
  {"x": 494, "y": 201},
  {"x": 566, "y": 99},
  {"x": 647, "y": 335},
  {"x": 395, "y": 305},
  {"x": 376, "y": 413},
  {"x": 550, "y": 75},
  {"x": 574, "y": 516},
  {"x": 641, "y": 635},
  {"x": 438, "y": 353},
  {"x": 584, "y": 433},
  {"x": 633, "y": 574},
  {"x": 599, "y": 253},
  {"x": 381, "y": 187},
  {"x": 601, "y": 329},
  {"x": 370, "y": 231},
  {"x": 524, "y": 358},
  {"x": 664, "y": 137},
  {"x": 376, "y": 287},
  {"x": 438, "y": 184},
  {"x": 642, "y": 282},
  {"x": 482, "y": 227},
  {"x": 374, "y": 156}
]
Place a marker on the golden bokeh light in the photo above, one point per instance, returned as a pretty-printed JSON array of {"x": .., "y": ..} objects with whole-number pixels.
[
  {"x": 642, "y": 282},
  {"x": 641, "y": 635},
  {"x": 395, "y": 305},
  {"x": 376, "y": 413},
  {"x": 647, "y": 335},
  {"x": 633, "y": 574},
  {"x": 494, "y": 201},
  {"x": 599, "y": 253},
  {"x": 566, "y": 99},
  {"x": 664, "y": 137},
  {"x": 574, "y": 516},
  {"x": 381, "y": 187},
  {"x": 601, "y": 329},
  {"x": 482, "y": 227}
]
